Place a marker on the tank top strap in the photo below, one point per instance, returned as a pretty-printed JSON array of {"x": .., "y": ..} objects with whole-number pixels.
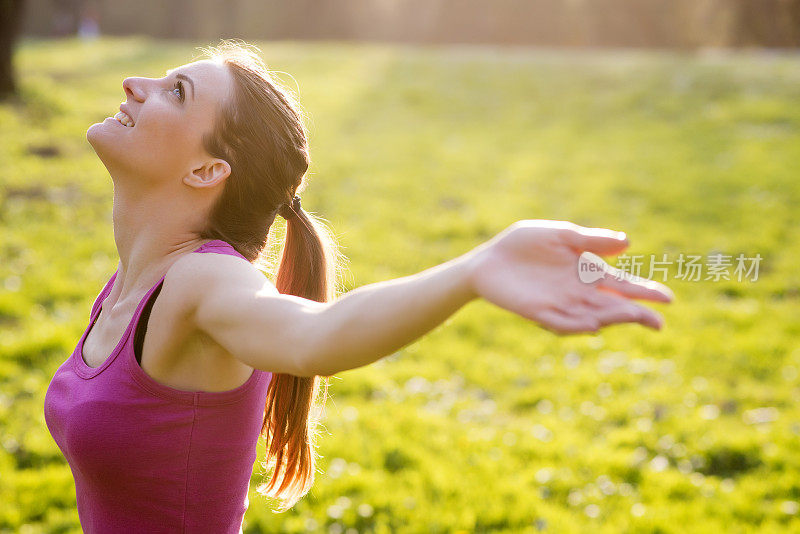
[
  {"x": 80, "y": 366},
  {"x": 103, "y": 293},
  {"x": 219, "y": 246}
]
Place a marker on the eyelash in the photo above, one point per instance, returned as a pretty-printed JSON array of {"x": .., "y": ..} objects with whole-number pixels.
[{"x": 179, "y": 87}]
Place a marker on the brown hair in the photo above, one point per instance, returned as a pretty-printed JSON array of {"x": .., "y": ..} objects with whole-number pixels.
[{"x": 261, "y": 134}]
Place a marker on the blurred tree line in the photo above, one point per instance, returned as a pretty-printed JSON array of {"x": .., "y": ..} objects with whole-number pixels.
[
  {"x": 617, "y": 23},
  {"x": 584, "y": 23}
]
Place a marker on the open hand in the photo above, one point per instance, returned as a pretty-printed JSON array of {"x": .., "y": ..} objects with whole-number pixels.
[{"x": 531, "y": 269}]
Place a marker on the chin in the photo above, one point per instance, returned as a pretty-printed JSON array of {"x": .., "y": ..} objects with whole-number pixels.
[
  {"x": 105, "y": 143},
  {"x": 91, "y": 133},
  {"x": 99, "y": 131},
  {"x": 98, "y": 139}
]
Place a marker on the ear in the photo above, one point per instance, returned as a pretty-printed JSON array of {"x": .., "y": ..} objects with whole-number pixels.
[{"x": 210, "y": 174}]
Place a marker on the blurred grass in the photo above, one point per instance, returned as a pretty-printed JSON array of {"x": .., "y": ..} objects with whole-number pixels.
[{"x": 489, "y": 423}]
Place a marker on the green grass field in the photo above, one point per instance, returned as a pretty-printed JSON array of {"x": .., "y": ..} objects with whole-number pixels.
[{"x": 489, "y": 423}]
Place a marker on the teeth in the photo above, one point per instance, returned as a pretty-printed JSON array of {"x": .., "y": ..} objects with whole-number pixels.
[{"x": 123, "y": 118}]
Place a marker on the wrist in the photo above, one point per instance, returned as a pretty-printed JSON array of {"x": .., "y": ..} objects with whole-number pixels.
[{"x": 471, "y": 265}]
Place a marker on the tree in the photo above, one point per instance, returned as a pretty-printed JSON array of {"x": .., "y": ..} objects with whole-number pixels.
[{"x": 10, "y": 22}]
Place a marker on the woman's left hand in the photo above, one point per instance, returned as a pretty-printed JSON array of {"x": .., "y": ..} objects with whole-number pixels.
[{"x": 539, "y": 270}]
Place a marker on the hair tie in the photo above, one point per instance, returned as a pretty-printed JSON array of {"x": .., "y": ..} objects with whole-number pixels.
[{"x": 290, "y": 209}]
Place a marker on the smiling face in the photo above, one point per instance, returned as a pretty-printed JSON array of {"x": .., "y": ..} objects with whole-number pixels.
[{"x": 169, "y": 117}]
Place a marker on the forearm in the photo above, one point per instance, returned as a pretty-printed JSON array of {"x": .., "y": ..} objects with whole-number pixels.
[{"x": 376, "y": 320}]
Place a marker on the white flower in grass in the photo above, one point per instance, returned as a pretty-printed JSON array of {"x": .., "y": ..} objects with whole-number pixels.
[
  {"x": 365, "y": 510},
  {"x": 790, "y": 507},
  {"x": 638, "y": 509}
]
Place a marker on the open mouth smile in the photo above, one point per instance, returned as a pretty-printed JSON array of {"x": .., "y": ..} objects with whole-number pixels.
[{"x": 124, "y": 119}]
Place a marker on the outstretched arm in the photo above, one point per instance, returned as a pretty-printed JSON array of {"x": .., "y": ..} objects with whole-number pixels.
[
  {"x": 375, "y": 320},
  {"x": 531, "y": 269}
]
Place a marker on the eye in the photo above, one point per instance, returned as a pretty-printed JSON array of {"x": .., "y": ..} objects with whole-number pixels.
[{"x": 179, "y": 88}]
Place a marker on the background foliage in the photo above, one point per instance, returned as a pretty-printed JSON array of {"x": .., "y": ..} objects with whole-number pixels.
[{"x": 488, "y": 423}]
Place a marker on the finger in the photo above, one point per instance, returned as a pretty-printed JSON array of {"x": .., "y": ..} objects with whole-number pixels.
[
  {"x": 561, "y": 323},
  {"x": 635, "y": 287},
  {"x": 601, "y": 241},
  {"x": 622, "y": 310},
  {"x": 610, "y": 308}
]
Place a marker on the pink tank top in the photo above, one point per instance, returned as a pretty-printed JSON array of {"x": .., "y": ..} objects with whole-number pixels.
[{"x": 146, "y": 457}]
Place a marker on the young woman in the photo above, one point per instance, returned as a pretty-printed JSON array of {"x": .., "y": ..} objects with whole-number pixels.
[{"x": 160, "y": 430}]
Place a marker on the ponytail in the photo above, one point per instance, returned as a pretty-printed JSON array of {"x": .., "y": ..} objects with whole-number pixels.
[{"x": 295, "y": 404}]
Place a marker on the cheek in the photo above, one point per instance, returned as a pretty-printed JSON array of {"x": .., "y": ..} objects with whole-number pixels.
[
  {"x": 158, "y": 130},
  {"x": 168, "y": 138}
]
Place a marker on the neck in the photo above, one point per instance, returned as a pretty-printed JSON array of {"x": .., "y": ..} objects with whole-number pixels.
[{"x": 152, "y": 230}]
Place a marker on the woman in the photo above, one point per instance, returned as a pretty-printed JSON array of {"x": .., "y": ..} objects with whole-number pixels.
[{"x": 160, "y": 430}]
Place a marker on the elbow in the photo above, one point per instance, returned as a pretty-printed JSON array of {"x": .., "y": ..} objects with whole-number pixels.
[
  {"x": 307, "y": 344},
  {"x": 301, "y": 359},
  {"x": 317, "y": 359},
  {"x": 303, "y": 369},
  {"x": 309, "y": 364},
  {"x": 289, "y": 359},
  {"x": 313, "y": 355}
]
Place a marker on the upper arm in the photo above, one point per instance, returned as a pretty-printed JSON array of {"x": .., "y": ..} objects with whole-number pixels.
[{"x": 233, "y": 302}]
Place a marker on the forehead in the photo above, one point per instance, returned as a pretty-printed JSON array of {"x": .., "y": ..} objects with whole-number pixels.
[{"x": 211, "y": 79}]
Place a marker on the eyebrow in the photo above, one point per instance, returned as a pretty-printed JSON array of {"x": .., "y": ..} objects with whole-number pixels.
[{"x": 184, "y": 78}]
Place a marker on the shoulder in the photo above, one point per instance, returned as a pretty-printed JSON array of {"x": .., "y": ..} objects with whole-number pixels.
[
  {"x": 196, "y": 277},
  {"x": 208, "y": 264}
]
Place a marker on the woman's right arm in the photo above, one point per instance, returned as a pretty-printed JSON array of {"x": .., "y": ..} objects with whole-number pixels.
[{"x": 531, "y": 269}]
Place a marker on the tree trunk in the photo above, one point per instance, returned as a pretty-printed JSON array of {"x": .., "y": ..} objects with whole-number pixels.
[{"x": 10, "y": 22}]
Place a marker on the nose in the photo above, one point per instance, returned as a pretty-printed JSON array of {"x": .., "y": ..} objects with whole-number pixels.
[{"x": 135, "y": 88}]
